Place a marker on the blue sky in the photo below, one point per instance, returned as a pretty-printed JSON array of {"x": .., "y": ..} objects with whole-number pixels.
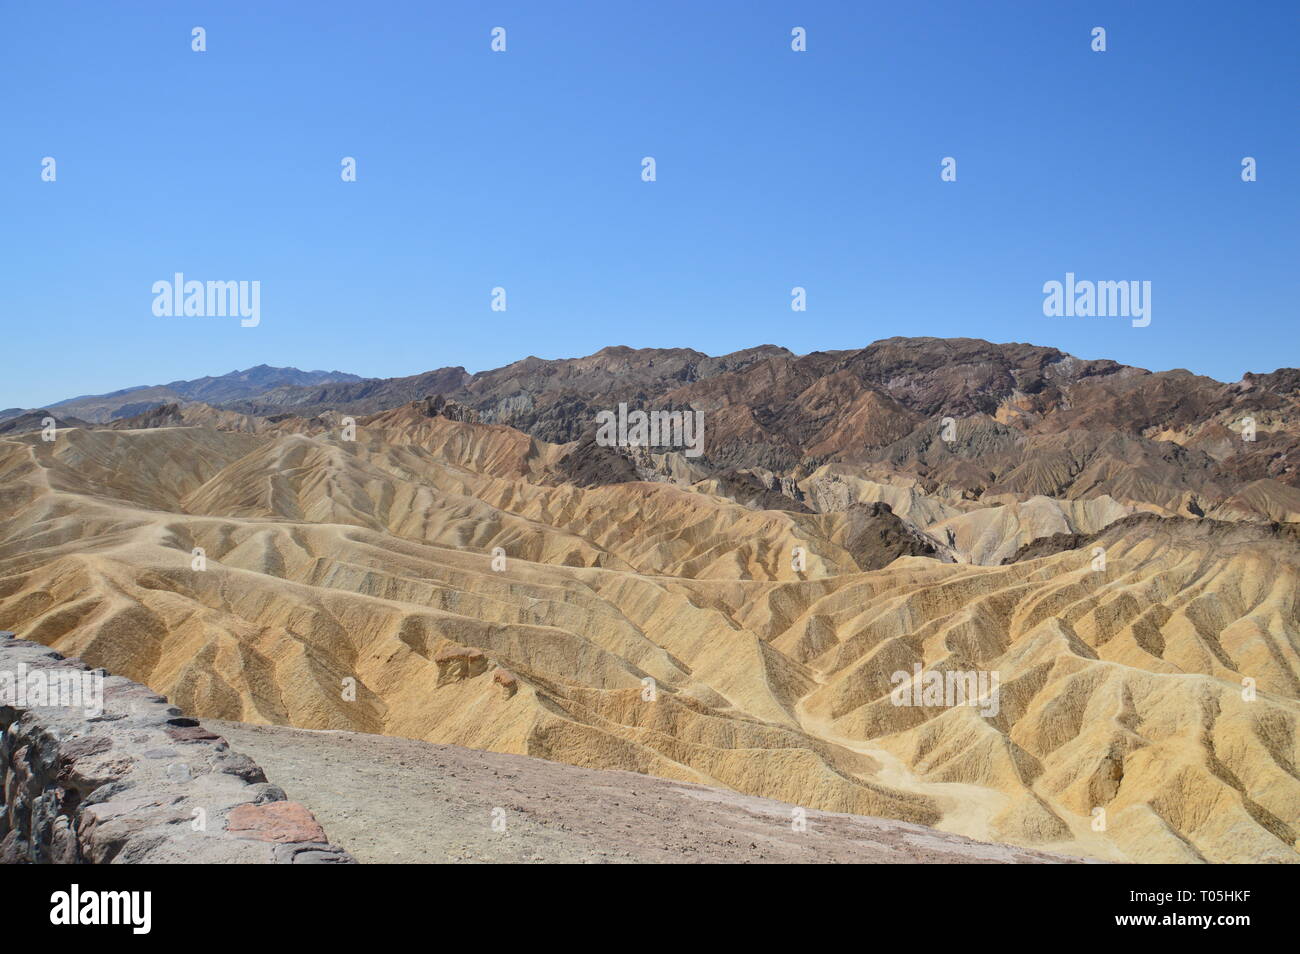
[{"x": 523, "y": 170}]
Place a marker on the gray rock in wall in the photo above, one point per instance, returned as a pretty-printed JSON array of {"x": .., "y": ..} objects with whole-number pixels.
[{"x": 135, "y": 780}]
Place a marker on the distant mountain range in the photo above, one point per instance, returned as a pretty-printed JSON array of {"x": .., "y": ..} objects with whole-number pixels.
[{"x": 235, "y": 386}]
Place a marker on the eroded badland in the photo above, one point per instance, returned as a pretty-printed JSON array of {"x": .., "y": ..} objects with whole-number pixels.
[{"x": 1101, "y": 538}]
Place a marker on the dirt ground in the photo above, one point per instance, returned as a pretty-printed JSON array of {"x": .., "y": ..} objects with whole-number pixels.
[{"x": 400, "y": 800}]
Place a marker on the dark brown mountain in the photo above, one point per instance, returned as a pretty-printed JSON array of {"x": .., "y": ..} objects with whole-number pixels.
[
  {"x": 35, "y": 420},
  {"x": 363, "y": 396},
  {"x": 1025, "y": 419}
]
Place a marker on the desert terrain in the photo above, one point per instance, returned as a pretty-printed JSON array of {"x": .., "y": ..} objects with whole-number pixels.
[
  {"x": 455, "y": 559},
  {"x": 401, "y": 801}
]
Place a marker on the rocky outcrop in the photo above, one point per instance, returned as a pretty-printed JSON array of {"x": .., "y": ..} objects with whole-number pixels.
[
  {"x": 506, "y": 681},
  {"x": 156, "y": 415},
  {"x": 1171, "y": 532},
  {"x": 876, "y": 537},
  {"x": 438, "y": 406},
  {"x": 588, "y": 464},
  {"x": 459, "y": 662},
  {"x": 758, "y": 489},
  {"x": 123, "y": 777}
]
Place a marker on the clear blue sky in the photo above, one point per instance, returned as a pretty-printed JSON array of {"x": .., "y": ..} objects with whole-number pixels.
[{"x": 522, "y": 169}]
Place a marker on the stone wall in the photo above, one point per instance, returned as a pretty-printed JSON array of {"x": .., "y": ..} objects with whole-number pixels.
[{"x": 137, "y": 782}]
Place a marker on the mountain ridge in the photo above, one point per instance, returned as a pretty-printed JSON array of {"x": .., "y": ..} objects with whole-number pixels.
[
  {"x": 125, "y": 402},
  {"x": 959, "y": 416}
]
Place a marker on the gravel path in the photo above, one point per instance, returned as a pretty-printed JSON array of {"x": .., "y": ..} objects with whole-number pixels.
[{"x": 399, "y": 800}]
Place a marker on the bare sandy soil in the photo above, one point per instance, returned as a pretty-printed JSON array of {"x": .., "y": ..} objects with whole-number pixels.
[
  {"x": 390, "y": 800},
  {"x": 477, "y": 590}
]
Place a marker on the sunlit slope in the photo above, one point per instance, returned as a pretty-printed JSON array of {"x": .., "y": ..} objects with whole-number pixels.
[{"x": 350, "y": 584}]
